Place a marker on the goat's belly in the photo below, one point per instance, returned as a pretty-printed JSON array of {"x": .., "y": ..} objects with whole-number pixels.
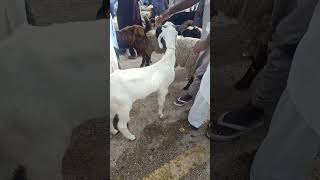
[{"x": 142, "y": 92}]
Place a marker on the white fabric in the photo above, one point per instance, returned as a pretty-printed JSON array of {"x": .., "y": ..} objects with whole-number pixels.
[
  {"x": 113, "y": 36},
  {"x": 200, "y": 109},
  {"x": 304, "y": 78},
  {"x": 205, "y": 85},
  {"x": 288, "y": 151},
  {"x": 113, "y": 59},
  {"x": 113, "y": 44},
  {"x": 206, "y": 20}
]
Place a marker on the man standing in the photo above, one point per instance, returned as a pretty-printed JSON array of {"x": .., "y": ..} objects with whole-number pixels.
[
  {"x": 128, "y": 14},
  {"x": 204, "y": 56},
  {"x": 293, "y": 141},
  {"x": 290, "y": 19},
  {"x": 159, "y": 6}
]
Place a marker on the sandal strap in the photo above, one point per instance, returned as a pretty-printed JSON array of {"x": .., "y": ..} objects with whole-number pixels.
[
  {"x": 236, "y": 126},
  {"x": 182, "y": 101}
]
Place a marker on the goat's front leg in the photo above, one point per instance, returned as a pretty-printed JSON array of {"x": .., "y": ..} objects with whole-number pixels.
[
  {"x": 143, "y": 62},
  {"x": 161, "y": 99},
  {"x": 148, "y": 61},
  {"x": 123, "y": 123}
]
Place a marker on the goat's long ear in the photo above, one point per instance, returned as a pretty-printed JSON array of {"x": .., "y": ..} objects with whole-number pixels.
[{"x": 159, "y": 41}]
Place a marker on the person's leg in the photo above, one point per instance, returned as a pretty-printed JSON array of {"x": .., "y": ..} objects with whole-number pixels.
[
  {"x": 258, "y": 62},
  {"x": 272, "y": 79},
  {"x": 201, "y": 68},
  {"x": 274, "y": 75},
  {"x": 290, "y": 147}
]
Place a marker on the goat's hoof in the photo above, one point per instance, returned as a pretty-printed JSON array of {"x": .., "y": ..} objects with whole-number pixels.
[
  {"x": 114, "y": 132},
  {"x": 131, "y": 137}
]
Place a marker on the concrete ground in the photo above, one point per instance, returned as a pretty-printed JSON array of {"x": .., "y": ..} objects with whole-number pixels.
[{"x": 160, "y": 142}]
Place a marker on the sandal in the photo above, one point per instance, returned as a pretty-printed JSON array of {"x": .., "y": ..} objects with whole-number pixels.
[
  {"x": 183, "y": 100},
  {"x": 231, "y": 125}
]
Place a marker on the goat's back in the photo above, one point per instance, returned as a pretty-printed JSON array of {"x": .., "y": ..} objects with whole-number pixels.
[
  {"x": 184, "y": 50},
  {"x": 137, "y": 83}
]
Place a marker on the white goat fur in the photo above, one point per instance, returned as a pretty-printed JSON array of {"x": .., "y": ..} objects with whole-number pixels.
[
  {"x": 185, "y": 56},
  {"x": 129, "y": 85}
]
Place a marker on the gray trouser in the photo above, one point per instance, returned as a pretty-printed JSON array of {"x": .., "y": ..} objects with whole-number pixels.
[
  {"x": 290, "y": 147},
  {"x": 273, "y": 77},
  {"x": 201, "y": 67}
]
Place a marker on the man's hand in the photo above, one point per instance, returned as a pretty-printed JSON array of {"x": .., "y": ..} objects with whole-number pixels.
[
  {"x": 200, "y": 46},
  {"x": 160, "y": 19}
]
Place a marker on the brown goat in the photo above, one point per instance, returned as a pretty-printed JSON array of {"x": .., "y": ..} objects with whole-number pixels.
[{"x": 134, "y": 36}]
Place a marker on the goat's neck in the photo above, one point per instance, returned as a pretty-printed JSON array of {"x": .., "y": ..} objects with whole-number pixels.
[{"x": 170, "y": 56}]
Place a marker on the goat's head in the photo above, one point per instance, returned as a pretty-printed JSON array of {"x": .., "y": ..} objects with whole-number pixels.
[
  {"x": 130, "y": 34},
  {"x": 169, "y": 34}
]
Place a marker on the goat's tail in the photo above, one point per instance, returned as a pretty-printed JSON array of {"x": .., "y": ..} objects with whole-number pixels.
[{"x": 148, "y": 25}]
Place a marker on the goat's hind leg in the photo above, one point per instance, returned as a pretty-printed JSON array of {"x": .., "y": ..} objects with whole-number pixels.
[
  {"x": 161, "y": 99},
  {"x": 112, "y": 129},
  {"x": 123, "y": 123}
]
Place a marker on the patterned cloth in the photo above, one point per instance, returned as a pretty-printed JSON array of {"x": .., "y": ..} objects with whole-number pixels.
[{"x": 197, "y": 21}]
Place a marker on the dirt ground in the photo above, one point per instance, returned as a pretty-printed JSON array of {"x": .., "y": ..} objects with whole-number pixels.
[{"x": 158, "y": 140}]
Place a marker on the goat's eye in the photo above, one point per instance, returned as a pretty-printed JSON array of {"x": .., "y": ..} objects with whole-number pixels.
[{"x": 165, "y": 26}]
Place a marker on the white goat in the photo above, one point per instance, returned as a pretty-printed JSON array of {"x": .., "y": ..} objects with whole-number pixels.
[
  {"x": 129, "y": 85},
  {"x": 185, "y": 57}
]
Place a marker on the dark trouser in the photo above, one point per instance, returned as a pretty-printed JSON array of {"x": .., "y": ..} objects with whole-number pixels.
[
  {"x": 201, "y": 67},
  {"x": 273, "y": 77},
  {"x": 128, "y": 13},
  {"x": 290, "y": 147}
]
